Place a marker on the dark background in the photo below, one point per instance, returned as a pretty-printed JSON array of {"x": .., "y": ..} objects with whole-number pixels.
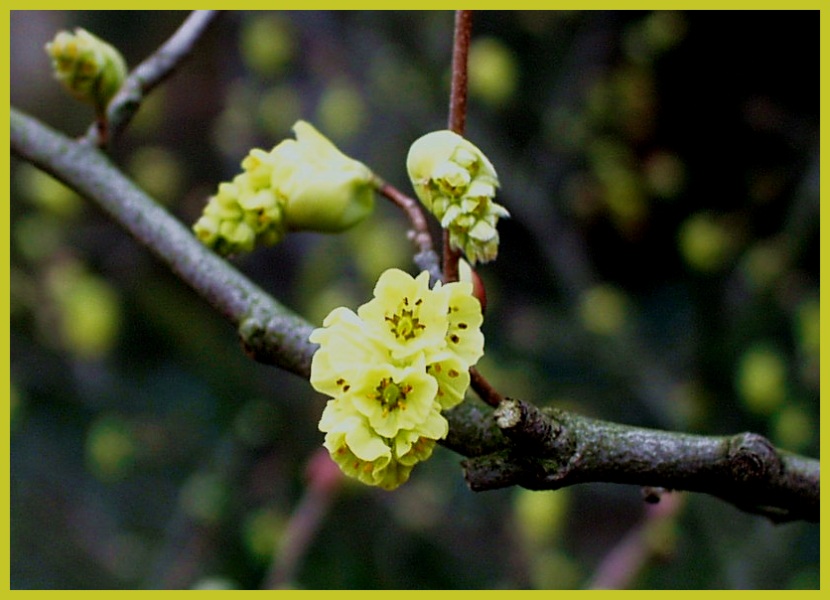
[{"x": 660, "y": 269}]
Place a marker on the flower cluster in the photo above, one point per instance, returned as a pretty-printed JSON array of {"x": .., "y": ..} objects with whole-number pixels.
[
  {"x": 390, "y": 369},
  {"x": 303, "y": 184},
  {"x": 88, "y": 67},
  {"x": 457, "y": 183}
]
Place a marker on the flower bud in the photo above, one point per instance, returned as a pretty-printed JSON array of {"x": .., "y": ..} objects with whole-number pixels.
[
  {"x": 457, "y": 183},
  {"x": 243, "y": 213},
  {"x": 91, "y": 69},
  {"x": 305, "y": 184},
  {"x": 323, "y": 189}
]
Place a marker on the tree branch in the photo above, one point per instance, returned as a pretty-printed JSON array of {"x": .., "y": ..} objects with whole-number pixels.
[
  {"x": 148, "y": 75},
  {"x": 518, "y": 444},
  {"x": 269, "y": 331},
  {"x": 552, "y": 448}
]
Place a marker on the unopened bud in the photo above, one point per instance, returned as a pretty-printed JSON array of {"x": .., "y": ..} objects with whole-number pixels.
[
  {"x": 323, "y": 189},
  {"x": 305, "y": 184},
  {"x": 90, "y": 68}
]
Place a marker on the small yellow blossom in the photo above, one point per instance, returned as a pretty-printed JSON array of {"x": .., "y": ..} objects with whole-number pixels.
[
  {"x": 393, "y": 399},
  {"x": 457, "y": 183},
  {"x": 464, "y": 337},
  {"x": 453, "y": 378},
  {"x": 405, "y": 314},
  {"x": 345, "y": 350},
  {"x": 245, "y": 212},
  {"x": 361, "y": 454}
]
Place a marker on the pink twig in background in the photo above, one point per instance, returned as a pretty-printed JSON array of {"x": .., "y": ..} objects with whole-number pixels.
[{"x": 324, "y": 482}]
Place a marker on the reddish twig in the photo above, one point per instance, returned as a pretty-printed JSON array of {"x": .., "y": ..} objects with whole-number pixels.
[
  {"x": 484, "y": 389},
  {"x": 426, "y": 258},
  {"x": 458, "y": 113},
  {"x": 458, "y": 89}
]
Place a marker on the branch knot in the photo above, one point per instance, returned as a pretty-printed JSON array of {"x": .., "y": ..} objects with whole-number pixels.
[
  {"x": 528, "y": 426},
  {"x": 752, "y": 458}
]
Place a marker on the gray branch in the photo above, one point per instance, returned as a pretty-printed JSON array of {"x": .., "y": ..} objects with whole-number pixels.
[
  {"x": 547, "y": 449},
  {"x": 148, "y": 75},
  {"x": 518, "y": 444},
  {"x": 270, "y": 332}
]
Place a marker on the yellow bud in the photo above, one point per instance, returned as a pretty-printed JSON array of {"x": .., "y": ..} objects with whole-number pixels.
[
  {"x": 323, "y": 189},
  {"x": 91, "y": 69}
]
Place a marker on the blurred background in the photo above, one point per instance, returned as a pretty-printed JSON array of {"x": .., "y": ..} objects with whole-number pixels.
[{"x": 661, "y": 269}]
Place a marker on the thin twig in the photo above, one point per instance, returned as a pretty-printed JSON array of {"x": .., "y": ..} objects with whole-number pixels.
[
  {"x": 456, "y": 123},
  {"x": 458, "y": 113},
  {"x": 484, "y": 389},
  {"x": 458, "y": 89},
  {"x": 148, "y": 75},
  {"x": 426, "y": 258}
]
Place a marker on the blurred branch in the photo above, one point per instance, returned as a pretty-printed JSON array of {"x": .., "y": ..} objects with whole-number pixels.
[
  {"x": 148, "y": 75},
  {"x": 523, "y": 445},
  {"x": 324, "y": 481},
  {"x": 649, "y": 540}
]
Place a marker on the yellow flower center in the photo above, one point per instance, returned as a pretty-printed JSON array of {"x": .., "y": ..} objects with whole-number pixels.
[
  {"x": 404, "y": 323},
  {"x": 392, "y": 395}
]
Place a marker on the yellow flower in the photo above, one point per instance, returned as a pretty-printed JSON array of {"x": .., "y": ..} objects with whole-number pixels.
[
  {"x": 394, "y": 399},
  {"x": 244, "y": 213},
  {"x": 88, "y": 67},
  {"x": 452, "y": 377},
  {"x": 373, "y": 460},
  {"x": 357, "y": 434},
  {"x": 406, "y": 315},
  {"x": 345, "y": 350},
  {"x": 391, "y": 369},
  {"x": 457, "y": 183},
  {"x": 464, "y": 337}
]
